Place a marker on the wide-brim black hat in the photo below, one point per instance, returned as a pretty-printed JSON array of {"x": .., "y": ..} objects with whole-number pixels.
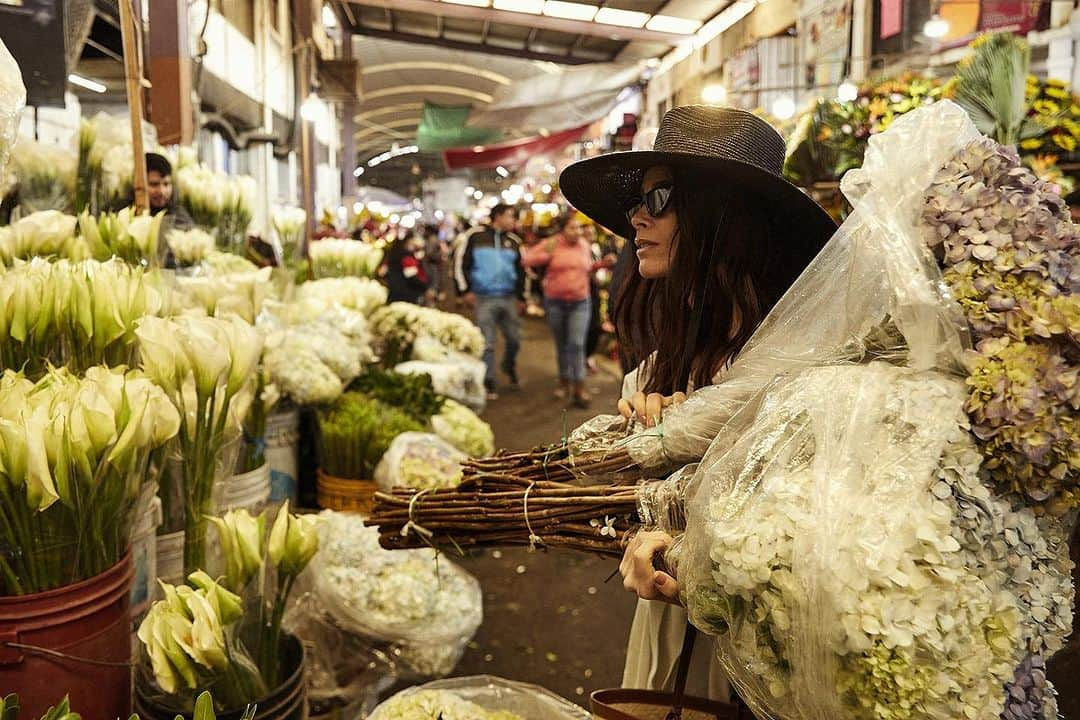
[{"x": 737, "y": 148}]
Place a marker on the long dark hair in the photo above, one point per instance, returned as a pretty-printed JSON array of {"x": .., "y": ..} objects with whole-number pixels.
[{"x": 749, "y": 273}]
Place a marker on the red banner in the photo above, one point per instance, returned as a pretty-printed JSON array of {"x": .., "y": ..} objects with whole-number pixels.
[{"x": 511, "y": 154}]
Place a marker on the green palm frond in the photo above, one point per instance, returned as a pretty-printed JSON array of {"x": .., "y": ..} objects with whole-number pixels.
[{"x": 990, "y": 87}]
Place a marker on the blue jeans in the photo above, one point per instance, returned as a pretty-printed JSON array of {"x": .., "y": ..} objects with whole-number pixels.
[
  {"x": 493, "y": 314},
  {"x": 569, "y": 322}
]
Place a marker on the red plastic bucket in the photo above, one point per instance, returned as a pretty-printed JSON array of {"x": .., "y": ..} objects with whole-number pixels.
[{"x": 73, "y": 640}]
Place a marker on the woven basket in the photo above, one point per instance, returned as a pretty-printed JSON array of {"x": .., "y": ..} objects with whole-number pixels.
[
  {"x": 345, "y": 495},
  {"x": 621, "y": 704}
]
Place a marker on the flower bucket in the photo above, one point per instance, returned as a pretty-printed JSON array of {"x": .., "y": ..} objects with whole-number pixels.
[
  {"x": 282, "y": 444},
  {"x": 144, "y": 560},
  {"x": 287, "y": 702},
  {"x": 75, "y": 640},
  {"x": 249, "y": 491},
  {"x": 170, "y": 557},
  {"x": 344, "y": 495}
]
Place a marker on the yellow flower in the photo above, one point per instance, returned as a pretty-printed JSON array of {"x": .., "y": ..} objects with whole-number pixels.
[
  {"x": 1051, "y": 82},
  {"x": 1046, "y": 107},
  {"x": 1066, "y": 142},
  {"x": 1030, "y": 144},
  {"x": 1057, "y": 93}
]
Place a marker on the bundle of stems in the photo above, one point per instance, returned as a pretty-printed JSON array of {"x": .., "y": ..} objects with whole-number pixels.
[{"x": 517, "y": 499}]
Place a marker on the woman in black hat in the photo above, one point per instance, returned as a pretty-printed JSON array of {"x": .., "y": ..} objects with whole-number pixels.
[{"x": 717, "y": 236}]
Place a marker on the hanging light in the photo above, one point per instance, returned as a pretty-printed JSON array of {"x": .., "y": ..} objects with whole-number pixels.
[
  {"x": 936, "y": 27},
  {"x": 847, "y": 92},
  {"x": 714, "y": 94},
  {"x": 313, "y": 109},
  {"x": 783, "y": 108}
]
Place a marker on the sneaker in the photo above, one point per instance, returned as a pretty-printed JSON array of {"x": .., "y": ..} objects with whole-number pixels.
[
  {"x": 511, "y": 373},
  {"x": 492, "y": 395}
]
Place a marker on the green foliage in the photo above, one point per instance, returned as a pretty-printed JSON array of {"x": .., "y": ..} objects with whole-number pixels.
[
  {"x": 991, "y": 86},
  {"x": 413, "y": 394},
  {"x": 355, "y": 433}
]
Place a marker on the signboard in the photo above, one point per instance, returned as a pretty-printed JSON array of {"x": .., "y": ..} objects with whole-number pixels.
[
  {"x": 744, "y": 68},
  {"x": 27, "y": 26},
  {"x": 824, "y": 35},
  {"x": 968, "y": 20}
]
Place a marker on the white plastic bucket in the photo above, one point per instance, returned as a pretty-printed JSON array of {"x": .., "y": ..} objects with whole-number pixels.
[
  {"x": 249, "y": 491},
  {"x": 170, "y": 558},
  {"x": 282, "y": 443},
  {"x": 144, "y": 558}
]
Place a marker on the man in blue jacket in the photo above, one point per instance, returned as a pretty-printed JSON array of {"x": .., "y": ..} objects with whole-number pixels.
[{"x": 487, "y": 268}]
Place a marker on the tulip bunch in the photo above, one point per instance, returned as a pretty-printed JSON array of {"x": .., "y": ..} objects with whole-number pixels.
[
  {"x": 344, "y": 258},
  {"x": 127, "y": 235},
  {"x": 49, "y": 233},
  {"x": 191, "y": 635},
  {"x": 218, "y": 202},
  {"x": 190, "y": 247},
  {"x": 205, "y": 365},
  {"x": 72, "y": 314},
  {"x": 289, "y": 224},
  {"x": 74, "y": 453}
]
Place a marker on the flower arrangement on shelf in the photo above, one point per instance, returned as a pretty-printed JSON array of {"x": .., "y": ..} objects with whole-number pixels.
[
  {"x": 361, "y": 294},
  {"x": 398, "y": 325},
  {"x": 219, "y": 203},
  {"x": 74, "y": 455},
  {"x": 75, "y": 315},
  {"x": 205, "y": 365},
  {"x": 190, "y": 247},
  {"x": 334, "y": 257},
  {"x": 355, "y": 432},
  {"x": 226, "y": 634},
  {"x": 126, "y": 235}
]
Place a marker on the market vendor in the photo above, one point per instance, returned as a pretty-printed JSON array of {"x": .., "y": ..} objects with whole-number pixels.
[
  {"x": 719, "y": 237},
  {"x": 161, "y": 193}
]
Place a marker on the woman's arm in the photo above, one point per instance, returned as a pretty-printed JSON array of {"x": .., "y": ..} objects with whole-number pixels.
[{"x": 538, "y": 255}]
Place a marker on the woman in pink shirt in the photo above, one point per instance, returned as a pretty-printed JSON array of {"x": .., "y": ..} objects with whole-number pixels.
[{"x": 569, "y": 261}]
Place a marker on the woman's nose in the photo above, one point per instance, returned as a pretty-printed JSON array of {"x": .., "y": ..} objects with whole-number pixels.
[{"x": 641, "y": 218}]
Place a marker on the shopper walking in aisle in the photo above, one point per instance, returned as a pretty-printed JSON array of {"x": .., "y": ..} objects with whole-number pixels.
[
  {"x": 406, "y": 278},
  {"x": 719, "y": 237},
  {"x": 567, "y": 303},
  {"x": 489, "y": 274},
  {"x": 434, "y": 260}
]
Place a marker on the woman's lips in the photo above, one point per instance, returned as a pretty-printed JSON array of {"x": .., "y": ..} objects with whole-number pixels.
[{"x": 644, "y": 246}]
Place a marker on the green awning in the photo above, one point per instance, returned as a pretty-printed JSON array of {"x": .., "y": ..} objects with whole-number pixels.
[{"x": 443, "y": 127}]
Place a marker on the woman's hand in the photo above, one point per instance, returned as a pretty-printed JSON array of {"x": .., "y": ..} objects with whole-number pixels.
[
  {"x": 639, "y": 571},
  {"x": 649, "y": 409}
]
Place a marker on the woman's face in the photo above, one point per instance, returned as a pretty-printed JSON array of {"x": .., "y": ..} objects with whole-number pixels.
[
  {"x": 572, "y": 231},
  {"x": 655, "y": 237}
]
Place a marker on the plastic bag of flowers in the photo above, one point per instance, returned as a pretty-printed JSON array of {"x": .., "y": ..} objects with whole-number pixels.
[
  {"x": 881, "y": 531},
  {"x": 422, "y": 461},
  {"x": 419, "y": 613},
  {"x": 460, "y": 379},
  {"x": 481, "y": 697},
  {"x": 12, "y": 101}
]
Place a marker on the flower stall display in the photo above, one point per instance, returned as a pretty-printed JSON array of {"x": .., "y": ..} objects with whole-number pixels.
[
  {"x": 47, "y": 233},
  {"x": 463, "y": 428},
  {"x": 333, "y": 258},
  {"x": 206, "y": 366},
  {"x": 226, "y": 634},
  {"x": 105, "y": 160},
  {"x": 421, "y": 461},
  {"x": 1052, "y": 106},
  {"x": 190, "y": 247},
  {"x": 204, "y": 709},
  {"x": 356, "y": 431},
  {"x": 126, "y": 235},
  {"x": 12, "y": 100},
  {"x": 218, "y": 203},
  {"x": 74, "y": 454},
  {"x": 361, "y": 294},
  {"x": 45, "y": 175},
  {"x": 413, "y": 394},
  {"x": 398, "y": 326},
  {"x": 417, "y": 614},
  {"x": 290, "y": 224},
  {"x": 478, "y": 698},
  {"x": 215, "y": 294},
  {"x": 75, "y": 315}
]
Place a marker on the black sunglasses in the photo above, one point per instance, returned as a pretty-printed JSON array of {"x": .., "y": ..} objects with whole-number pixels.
[{"x": 655, "y": 202}]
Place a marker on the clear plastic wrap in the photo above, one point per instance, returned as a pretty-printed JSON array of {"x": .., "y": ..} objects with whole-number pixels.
[
  {"x": 411, "y": 615},
  {"x": 461, "y": 378},
  {"x": 422, "y": 461},
  {"x": 12, "y": 101},
  {"x": 481, "y": 697},
  {"x": 843, "y": 542}
]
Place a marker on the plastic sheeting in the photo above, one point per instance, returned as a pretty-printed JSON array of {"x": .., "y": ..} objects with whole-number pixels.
[
  {"x": 12, "y": 101},
  {"x": 481, "y": 697}
]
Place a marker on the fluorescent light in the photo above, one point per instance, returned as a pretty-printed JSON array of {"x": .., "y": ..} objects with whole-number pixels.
[
  {"x": 624, "y": 18},
  {"x": 329, "y": 19},
  {"x": 715, "y": 94},
  {"x": 503, "y": 172},
  {"x": 936, "y": 27},
  {"x": 534, "y": 7},
  {"x": 670, "y": 24},
  {"x": 478, "y": 195},
  {"x": 783, "y": 108},
  {"x": 358, "y": 171},
  {"x": 473, "y": 3},
  {"x": 847, "y": 92},
  {"x": 726, "y": 18},
  {"x": 86, "y": 83},
  {"x": 312, "y": 109},
  {"x": 569, "y": 10},
  {"x": 546, "y": 188}
]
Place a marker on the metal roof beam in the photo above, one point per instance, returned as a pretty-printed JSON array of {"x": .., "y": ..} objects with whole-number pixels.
[
  {"x": 473, "y": 47},
  {"x": 572, "y": 27}
]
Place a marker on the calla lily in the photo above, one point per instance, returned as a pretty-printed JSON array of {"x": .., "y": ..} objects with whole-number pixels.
[
  {"x": 226, "y": 605},
  {"x": 294, "y": 540},
  {"x": 241, "y": 537}
]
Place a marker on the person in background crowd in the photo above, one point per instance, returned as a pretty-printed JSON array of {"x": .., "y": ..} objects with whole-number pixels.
[
  {"x": 603, "y": 263},
  {"x": 569, "y": 261},
  {"x": 162, "y": 198},
  {"x": 488, "y": 272},
  {"x": 434, "y": 261},
  {"x": 405, "y": 276}
]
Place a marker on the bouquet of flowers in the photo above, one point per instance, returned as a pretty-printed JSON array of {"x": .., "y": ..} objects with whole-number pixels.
[
  {"x": 876, "y": 529},
  {"x": 127, "y": 235},
  {"x": 463, "y": 428},
  {"x": 421, "y": 461},
  {"x": 190, "y": 247},
  {"x": 398, "y": 325},
  {"x": 220, "y": 204},
  {"x": 72, "y": 314},
  {"x": 200, "y": 635},
  {"x": 478, "y": 698},
  {"x": 74, "y": 454},
  {"x": 45, "y": 175},
  {"x": 12, "y": 100},
  {"x": 413, "y": 394},
  {"x": 205, "y": 365},
  {"x": 361, "y": 294},
  {"x": 333, "y": 258},
  {"x": 217, "y": 294},
  {"x": 289, "y": 225},
  {"x": 48, "y": 233}
]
